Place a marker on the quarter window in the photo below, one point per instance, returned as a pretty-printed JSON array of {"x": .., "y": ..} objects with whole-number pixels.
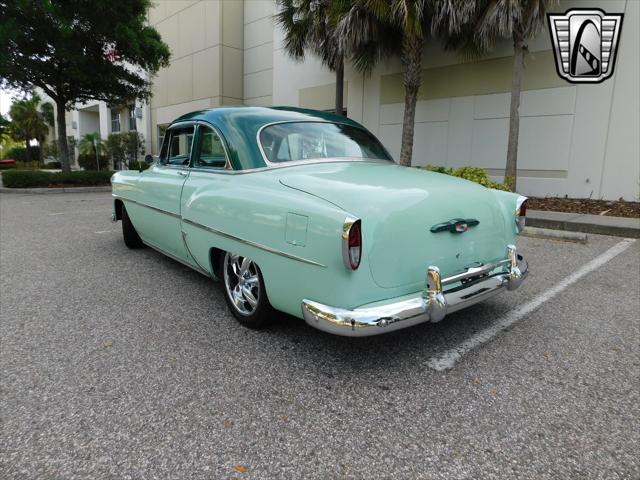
[
  {"x": 179, "y": 146},
  {"x": 211, "y": 152}
]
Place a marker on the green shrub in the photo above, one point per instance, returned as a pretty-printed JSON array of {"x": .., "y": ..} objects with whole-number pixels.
[
  {"x": 474, "y": 174},
  {"x": 19, "y": 154},
  {"x": 24, "y": 165},
  {"x": 40, "y": 179},
  {"x": 136, "y": 165},
  {"x": 88, "y": 162}
]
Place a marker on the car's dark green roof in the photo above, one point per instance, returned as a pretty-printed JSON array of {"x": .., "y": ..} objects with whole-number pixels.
[{"x": 240, "y": 125}]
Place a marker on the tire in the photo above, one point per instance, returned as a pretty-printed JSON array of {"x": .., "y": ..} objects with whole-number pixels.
[
  {"x": 131, "y": 237},
  {"x": 244, "y": 291}
]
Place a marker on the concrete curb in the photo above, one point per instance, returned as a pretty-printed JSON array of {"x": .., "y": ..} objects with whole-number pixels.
[
  {"x": 31, "y": 191},
  {"x": 548, "y": 234},
  {"x": 572, "y": 222}
]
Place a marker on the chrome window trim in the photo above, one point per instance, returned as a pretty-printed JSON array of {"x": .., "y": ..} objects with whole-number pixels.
[
  {"x": 287, "y": 165},
  {"x": 193, "y": 124},
  {"x": 318, "y": 160},
  {"x": 227, "y": 157},
  {"x": 224, "y": 234}
]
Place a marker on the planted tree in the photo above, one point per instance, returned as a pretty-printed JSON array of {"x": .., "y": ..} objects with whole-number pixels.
[
  {"x": 77, "y": 51},
  {"x": 476, "y": 30},
  {"x": 91, "y": 145},
  {"x": 27, "y": 123},
  {"x": 308, "y": 27},
  {"x": 377, "y": 27}
]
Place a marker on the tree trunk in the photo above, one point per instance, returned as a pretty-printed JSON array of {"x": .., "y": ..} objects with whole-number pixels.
[
  {"x": 340, "y": 88},
  {"x": 63, "y": 150},
  {"x": 27, "y": 149},
  {"x": 511, "y": 169},
  {"x": 412, "y": 59}
]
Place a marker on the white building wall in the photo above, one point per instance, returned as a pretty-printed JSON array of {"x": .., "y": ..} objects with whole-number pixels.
[
  {"x": 576, "y": 140},
  {"x": 258, "y": 52}
]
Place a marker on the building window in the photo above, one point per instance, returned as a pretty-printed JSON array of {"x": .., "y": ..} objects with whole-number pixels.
[
  {"x": 132, "y": 117},
  {"x": 162, "y": 130},
  {"x": 115, "y": 120}
]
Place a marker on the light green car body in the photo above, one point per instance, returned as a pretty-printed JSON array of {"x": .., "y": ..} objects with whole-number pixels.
[{"x": 289, "y": 218}]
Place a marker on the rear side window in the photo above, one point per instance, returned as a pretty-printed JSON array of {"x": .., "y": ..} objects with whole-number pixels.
[
  {"x": 299, "y": 141},
  {"x": 211, "y": 152},
  {"x": 177, "y": 150}
]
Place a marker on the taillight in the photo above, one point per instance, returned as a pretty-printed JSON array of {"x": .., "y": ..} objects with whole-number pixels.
[
  {"x": 351, "y": 243},
  {"x": 521, "y": 212}
]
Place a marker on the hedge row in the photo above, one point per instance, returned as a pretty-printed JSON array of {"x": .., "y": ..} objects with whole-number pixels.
[
  {"x": 474, "y": 174},
  {"x": 39, "y": 179}
]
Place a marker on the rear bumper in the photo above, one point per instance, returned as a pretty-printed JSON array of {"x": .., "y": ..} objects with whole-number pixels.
[{"x": 432, "y": 305}]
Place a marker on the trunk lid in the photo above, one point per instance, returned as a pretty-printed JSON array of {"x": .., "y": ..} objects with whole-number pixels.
[{"x": 398, "y": 207}]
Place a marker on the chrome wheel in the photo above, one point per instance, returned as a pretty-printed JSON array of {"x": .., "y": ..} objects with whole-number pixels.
[{"x": 242, "y": 283}]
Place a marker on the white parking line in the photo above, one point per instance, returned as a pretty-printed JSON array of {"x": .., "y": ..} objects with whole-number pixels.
[
  {"x": 56, "y": 213},
  {"x": 448, "y": 358}
]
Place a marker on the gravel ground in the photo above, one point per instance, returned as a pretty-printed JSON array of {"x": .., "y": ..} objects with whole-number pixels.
[{"x": 125, "y": 364}]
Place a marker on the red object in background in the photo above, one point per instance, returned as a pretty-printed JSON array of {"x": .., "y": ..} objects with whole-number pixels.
[{"x": 8, "y": 161}]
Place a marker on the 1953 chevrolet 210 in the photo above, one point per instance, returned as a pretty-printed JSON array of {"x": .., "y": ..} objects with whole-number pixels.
[{"x": 305, "y": 212}]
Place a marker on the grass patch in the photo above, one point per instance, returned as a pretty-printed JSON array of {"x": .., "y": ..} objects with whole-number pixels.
[{"x": 39, "y": 179}]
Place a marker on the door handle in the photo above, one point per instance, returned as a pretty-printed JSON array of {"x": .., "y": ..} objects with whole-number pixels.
[{"x": 183, "y": 173}]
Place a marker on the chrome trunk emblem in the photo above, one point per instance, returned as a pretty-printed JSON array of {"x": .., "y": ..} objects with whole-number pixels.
[{"x": 456, "y": 225}]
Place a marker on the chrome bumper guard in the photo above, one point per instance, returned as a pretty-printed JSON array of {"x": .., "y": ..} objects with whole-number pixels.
[{"x": 475, "y": 285}]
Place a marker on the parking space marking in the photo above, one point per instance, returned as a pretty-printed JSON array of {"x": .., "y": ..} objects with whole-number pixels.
[
  {"x": 56, "y": 213},
  {"x": 447, "y": 359}
]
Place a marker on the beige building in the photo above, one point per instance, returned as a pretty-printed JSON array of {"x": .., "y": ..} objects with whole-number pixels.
[{"x": 576, "y": 140}]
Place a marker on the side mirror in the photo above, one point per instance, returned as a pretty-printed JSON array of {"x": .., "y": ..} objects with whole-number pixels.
[{"x": 148, "y": 159}]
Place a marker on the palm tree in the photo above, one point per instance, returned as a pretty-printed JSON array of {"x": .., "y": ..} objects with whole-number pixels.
[
  {"x": 92, "y": 144},
  {"x": 379, "y": 27},
  {"x": 27, "y": 122},
  {"x": 477, "y": 30},
  {"x": 48, "y": 114},
  {"x": 308, "y": 27}
]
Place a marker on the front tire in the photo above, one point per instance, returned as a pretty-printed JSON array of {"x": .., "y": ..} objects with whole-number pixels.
[
  {"x": 131, "y": 237},
  {"x": 244, "y": 291}
]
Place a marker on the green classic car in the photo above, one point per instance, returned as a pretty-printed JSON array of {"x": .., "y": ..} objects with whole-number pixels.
[{"x": 305, "y": 212}]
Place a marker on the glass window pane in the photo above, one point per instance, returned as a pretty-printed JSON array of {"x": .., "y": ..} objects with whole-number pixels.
[
  {"x": 296, "y": 141},
  {"x": 179, "y": 148},
  {"x": 212, "y": 154}
]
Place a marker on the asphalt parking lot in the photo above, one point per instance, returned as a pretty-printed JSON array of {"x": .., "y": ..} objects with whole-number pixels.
[{"x": 125, "y": 364}]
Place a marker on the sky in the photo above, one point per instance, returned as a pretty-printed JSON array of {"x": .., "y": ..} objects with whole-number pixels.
[{"x": 5, "y": 101}]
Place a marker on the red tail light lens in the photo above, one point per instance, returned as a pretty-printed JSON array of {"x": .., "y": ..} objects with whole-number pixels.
[
  {"x": 523, "y": 208},
  {"x": 521, "y": 212},
  {"x": 355, "y": 246},
  {"x": 351, "y": 243}
]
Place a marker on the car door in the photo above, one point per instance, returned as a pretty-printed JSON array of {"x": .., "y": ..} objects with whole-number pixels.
[
  {"x": 161, "y": 189},
  {"x": 206, "y": 181}
]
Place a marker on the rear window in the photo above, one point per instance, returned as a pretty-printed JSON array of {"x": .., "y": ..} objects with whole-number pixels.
[{"x": 297, "y": 141}]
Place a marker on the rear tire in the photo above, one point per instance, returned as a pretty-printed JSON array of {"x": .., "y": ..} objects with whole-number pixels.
[
  {"x": 244, "y": 291},
  {"x": 131, "y": 237}
]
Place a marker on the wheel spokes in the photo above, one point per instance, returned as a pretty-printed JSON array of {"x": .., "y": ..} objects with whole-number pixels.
[
  {"x": 249, "y": 297},
  {"x": 242, "y": 283}
]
